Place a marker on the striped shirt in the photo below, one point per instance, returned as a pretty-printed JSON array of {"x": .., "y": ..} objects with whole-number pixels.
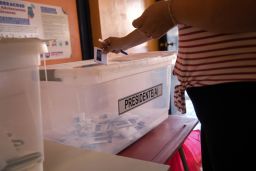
[{"x": 206, "y": 58}]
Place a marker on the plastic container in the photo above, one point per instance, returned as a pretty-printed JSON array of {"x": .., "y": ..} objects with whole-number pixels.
[
  {"x": 106, "y": 107},
  {"x": 21, "y": 140}
]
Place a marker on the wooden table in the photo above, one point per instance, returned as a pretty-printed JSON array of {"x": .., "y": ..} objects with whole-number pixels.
[
  {"x": 163, "y": 141},
  {"x": 157, "y": 146}
]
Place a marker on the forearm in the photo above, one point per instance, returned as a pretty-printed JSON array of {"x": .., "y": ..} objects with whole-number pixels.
[
  {"x": 135, "y": 38},
  {"x": 224, "y": 16}
]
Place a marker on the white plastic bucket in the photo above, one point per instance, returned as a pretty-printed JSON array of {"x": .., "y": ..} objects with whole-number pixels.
[{"x": 21, "y": 140}]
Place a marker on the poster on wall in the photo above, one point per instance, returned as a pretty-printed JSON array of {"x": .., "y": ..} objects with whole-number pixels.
[
  {"x": 21, "y": 19},
  {"x": 55, "y": 31},
  {"x": 18, "y": 20}
]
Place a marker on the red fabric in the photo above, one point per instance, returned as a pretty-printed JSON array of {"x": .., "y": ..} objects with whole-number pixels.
[{"x": 192, "y": 151}]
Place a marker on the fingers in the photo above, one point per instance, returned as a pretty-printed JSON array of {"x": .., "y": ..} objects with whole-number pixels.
[
  {"x": 110, "y": 45},
  {"x": 105, "y": 45}
]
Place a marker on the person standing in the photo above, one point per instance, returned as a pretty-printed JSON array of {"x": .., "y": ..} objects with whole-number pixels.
[{"x": 216, "y": 65}]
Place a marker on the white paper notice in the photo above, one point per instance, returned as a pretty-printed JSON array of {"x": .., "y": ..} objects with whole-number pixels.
[
  {"x": 16, "y": 18},
  {"x": 56, "y": 32},
  {"x": 21, "y": 19}
]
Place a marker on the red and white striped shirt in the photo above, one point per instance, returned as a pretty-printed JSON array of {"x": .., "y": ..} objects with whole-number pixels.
[{"x": 206, "y": 58}]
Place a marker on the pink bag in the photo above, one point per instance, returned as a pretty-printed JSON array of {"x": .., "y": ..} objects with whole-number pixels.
[{"x": 192, "y": 151}]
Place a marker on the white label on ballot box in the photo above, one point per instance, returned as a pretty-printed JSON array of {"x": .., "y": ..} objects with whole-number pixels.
[{"x": 127, "y": 103}]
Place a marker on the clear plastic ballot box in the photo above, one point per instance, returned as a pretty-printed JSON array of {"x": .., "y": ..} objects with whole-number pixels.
[
  {"x": 21, "y": 139},
  {"x": 106, "y": 107}
]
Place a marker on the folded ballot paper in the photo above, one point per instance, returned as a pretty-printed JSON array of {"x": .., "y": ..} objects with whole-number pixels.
[
  {"x": 102, "y": 58},
  {"x": 99, "y": 56}
]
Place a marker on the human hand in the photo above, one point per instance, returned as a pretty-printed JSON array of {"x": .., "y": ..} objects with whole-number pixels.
[
  {"x": 112, "y": 44},
  {"x": 155, "y": 21}
]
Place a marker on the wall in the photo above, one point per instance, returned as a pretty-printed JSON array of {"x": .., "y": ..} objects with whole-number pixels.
[{"x": 114, "y": 17}]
